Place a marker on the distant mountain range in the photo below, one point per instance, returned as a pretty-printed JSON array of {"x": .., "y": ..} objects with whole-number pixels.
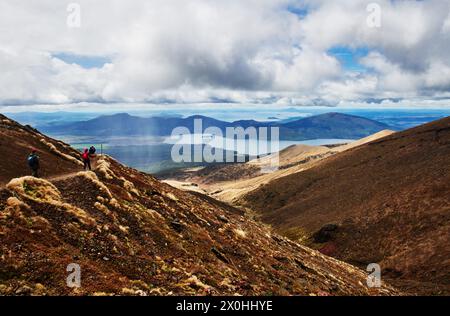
[{"x": 325, "y": 126}]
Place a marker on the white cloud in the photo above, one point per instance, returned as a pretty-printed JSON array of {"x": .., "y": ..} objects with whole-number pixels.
[{"x": 244, "y": 51}]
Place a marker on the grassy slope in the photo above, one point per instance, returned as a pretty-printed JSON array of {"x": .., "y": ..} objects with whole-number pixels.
[
  {"x": 391, "y": 198},
  {"x": 133, "y": 235}
]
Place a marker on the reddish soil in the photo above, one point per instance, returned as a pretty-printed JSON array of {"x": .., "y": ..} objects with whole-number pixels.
[
  {"x": 133, "y": 235},
  {"x": 16, "y": 142},
  {"x": 390, "y": 198}
]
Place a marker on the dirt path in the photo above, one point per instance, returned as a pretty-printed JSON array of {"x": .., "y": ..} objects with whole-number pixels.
[
  {"x": 52, "y": 178},
  {"x": 62, "y": 176}
]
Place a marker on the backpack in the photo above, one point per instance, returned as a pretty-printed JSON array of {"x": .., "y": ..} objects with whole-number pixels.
[
  {"x": 85, "y": 156},
  {"x": 92, "y": 150},
  {"x": 32, "y": 161}
]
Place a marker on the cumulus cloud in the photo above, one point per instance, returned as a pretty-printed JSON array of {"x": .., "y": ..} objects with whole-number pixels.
[{"x": 242, "y": 51}]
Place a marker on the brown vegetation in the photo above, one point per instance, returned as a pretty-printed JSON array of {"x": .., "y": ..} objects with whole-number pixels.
[
  {"x": 390, "y": 199},
  {"x": 133, "y": 235}
]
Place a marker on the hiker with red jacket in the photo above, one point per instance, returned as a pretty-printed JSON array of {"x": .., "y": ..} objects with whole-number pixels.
[{"x": 86, "y": 159}]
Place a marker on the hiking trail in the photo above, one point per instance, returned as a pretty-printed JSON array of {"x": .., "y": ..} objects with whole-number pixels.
[{"x": 56, "y": 178}]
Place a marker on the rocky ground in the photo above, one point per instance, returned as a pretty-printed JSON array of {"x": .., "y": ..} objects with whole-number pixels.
[{"x": 133, "y": 235}]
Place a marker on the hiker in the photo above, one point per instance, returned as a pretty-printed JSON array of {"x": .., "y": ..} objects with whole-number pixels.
[
  {"x": 33, "y": 162},
  {"x": 86, "y": 159},
  {"x": 92, "y": 151}
]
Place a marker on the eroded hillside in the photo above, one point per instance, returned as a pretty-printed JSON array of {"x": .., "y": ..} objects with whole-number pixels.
[
  {"x": 16, "y": 141},
  {"x": 133, "y": 235},
  {"x": 387, "y": 201}
]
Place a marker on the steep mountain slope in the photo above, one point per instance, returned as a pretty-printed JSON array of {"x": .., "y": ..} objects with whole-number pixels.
[
  {"x": 328, "y": 126},
  {"x": 16, "y": 142},
  {"x": 133, "y": 235},
  {"x": 390, "y": 200}
]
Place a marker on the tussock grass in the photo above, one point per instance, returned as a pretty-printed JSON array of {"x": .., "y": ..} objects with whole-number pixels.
[
  {"x": 102, "y": 208},
  {"x": 57, "y": 152},
  {"x": 16, "y": 203},
  {"x": 39, "y": 190},
  {"x": 129, "y": 186},
  {"x": 42, "y": 191},
  {"x": 91, "y": 176},
  {"x": 240, "y": 233},
  {"x": 171, "y": 196},
  {"x": 104, "y": 168}
]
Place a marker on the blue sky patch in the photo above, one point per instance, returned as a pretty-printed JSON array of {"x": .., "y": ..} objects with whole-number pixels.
[
  {"x": 87, "y": 62},
  {"x": 300, "y": 11},
  {"x": 349, "y": 57}
]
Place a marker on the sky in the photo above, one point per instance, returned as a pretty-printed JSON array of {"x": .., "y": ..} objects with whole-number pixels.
[{"x": 351, "y": 53}]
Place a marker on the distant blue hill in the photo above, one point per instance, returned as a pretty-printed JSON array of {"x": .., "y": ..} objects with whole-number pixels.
[{"x": 324, "y": 126}]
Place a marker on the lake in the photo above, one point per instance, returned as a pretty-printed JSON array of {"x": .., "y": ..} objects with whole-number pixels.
[{"x": 149, "y": 155}]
